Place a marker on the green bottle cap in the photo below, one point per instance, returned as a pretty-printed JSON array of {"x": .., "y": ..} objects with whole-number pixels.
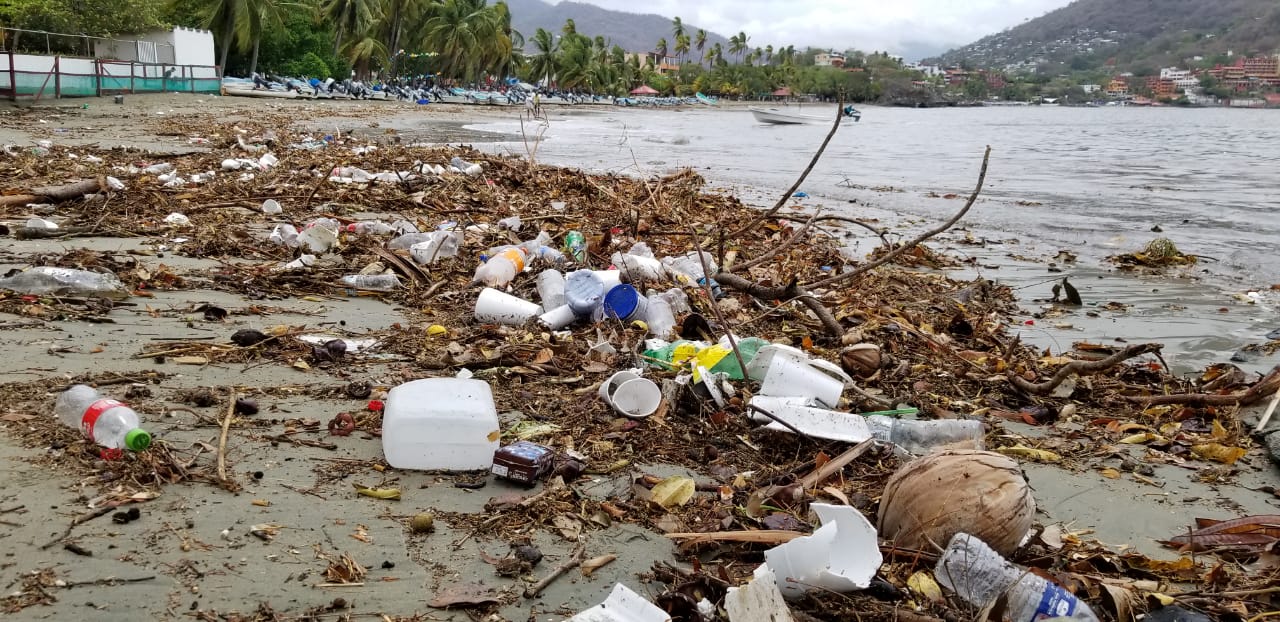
[{"x": 137, "y": 439}]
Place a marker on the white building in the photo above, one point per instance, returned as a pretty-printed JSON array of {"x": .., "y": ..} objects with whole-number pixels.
[
  {"x": 829, "y": 59},
  {"x": 179, "y": 46},
  {"x": 1182, "y": 78},
  {"x": 1091, "y": 88}
]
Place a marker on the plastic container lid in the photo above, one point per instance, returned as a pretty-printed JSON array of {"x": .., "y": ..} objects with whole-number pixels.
[
  {"x": 622, "y": 302},
  {"x": 137, "y": 439}
]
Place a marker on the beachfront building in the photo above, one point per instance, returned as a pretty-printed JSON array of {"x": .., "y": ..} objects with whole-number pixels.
[
  {"x": 662, "y": 64},
  {"x": 1118, "y": 87}
]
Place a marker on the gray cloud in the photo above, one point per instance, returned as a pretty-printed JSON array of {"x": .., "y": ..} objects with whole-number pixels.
[{"x": 907, "y": 27}]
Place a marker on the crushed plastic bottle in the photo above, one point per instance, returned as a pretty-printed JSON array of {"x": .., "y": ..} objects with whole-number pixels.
[
  {"x": 285, "y": 234},
  {"x": 106, "y": 422},
  {"x": 372, "y": 282},
  {"x": 158, "y": 169},
  {"x": 438, "y": 245},
  {"x": 920, "y": 437},
  {"x": 47, "y": 280},
  {"x": 687, "y": 270},
  {"x": 370, "y": 227},
  {"x": 465, "y": 167},
  {"x": 319, "y": 235},
  {"x": 980, "y": 575}
]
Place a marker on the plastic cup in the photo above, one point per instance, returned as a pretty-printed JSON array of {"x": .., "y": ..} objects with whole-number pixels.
[
  {"x": 624, "y": 303},
  {"x": 610, "y": 278},
  {"x": 271, "y": 206},
  {"x": 495, "y": 307},
  {"x": 630, "y": 395},
  {"x": 787, "y": 372},
  {"x": 558, "y": 317}
]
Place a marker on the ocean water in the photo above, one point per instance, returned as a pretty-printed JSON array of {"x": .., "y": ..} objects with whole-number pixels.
[{"x": 1093, "y": 181}]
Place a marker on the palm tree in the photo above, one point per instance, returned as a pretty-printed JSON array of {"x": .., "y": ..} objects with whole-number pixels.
[
  {"x": 700, "y": 40},
  {"x": 736, "y": 44},
  {"x": 682, "y": 46},
  {"x": 260, "y": 15},
  {"x": 717, "y": 54},
  {"x": 569, "y": 28},
  {"x": 364, "y": 51},
  {"x": 401, "y": 19},
  {"x": 542, "y": 65},
  {"x": 223, "y": 17},
  {"x": 677, "y": 28},
  {"x": 742, "y": 43},
  {"x": 768, "y": 54},
  {"x": 467, "y": 37},
  {"x": 352, "y": 17},
  {"x": 661, "y": 49}
]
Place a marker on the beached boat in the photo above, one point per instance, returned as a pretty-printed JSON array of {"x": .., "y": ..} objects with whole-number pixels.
[
  {"x": 710, "y": 101},
  {"x": 248, "y": 91}
]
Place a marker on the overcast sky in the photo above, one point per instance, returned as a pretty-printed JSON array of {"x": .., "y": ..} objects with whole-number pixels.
[{"x": 912, "y": 28}]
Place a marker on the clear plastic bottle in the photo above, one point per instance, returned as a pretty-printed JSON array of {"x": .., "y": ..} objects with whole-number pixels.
[
  {"x": 106, "y": 422},
  {"x": 370, "y": 227},
  {"x": 438, "y": 245},
  {"x": 372, "y": 282},
  {"x": 501, "y": 267},
  {"x": 919, "y": 437},
  {"x": 659, "y": 316},
  {"x": 45, "y": 280},
  {"x": 408, "y": 240},
  {"x": 980, "y": 575}
]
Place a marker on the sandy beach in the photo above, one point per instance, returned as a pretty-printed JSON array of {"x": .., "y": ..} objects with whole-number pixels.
[{"x": 198, "y": 550}]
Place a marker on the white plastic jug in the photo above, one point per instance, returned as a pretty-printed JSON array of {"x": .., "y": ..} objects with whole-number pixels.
[
  {"x": 785, "y": 371},
  {"x": 446, "y": 424}
]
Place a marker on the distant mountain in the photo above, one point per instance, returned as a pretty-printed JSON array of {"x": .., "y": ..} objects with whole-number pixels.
[
  {"x": 634, "y": 32},
  {"x": 1132, "y": 34}
]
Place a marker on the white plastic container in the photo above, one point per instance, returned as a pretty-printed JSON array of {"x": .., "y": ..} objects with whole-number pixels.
[
  {"x": 840, "y": 556},
  {"x": 445, "y": 424},
  {"x": 785, "y": 371}
]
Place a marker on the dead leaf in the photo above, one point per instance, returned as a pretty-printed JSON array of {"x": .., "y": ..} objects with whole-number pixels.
[
  {"x": 1123, "y": 601},
  {"x": 837, "y": 493},
  {"x": 595, "y": 367},
  {"x": 922, "y": 583},
  {"x": 1138, "y": 439},
  {"x": 392, "y": 494},
  {"x": 674, "y": 491},
  {"x": 1030, "y": 453},
  {"x": 569, "y": 527},
  {"x": 1218, "y": 452},
  {"x": 262, "y": 503},
  {"x": 543, "y": 356},
  {"x": 1219, "y": 433},
  {"x": 595, "y": 563},
  {"x": 463, "y": 595},
  {"x": 1110, "y": 473},
  {"x": 16, "y": 417}
]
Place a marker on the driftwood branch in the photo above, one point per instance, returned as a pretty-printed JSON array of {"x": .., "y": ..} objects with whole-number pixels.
[
  {"x": 56, "y": 193},
  {"x": 1082, "y": 368},
  {"x": 879, "y": 231},
  {"x": 222, "y": 444},
  {"x": 895, "y": 253},
  {"x": 803, "y": 175},
  {"x": 1259, "y": 391},
  {"x": 579, "y": 553},
  {"x": 790, "y": 291}
]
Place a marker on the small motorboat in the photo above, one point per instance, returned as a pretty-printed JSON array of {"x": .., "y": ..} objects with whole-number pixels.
[{"x": 775, "y": 116}]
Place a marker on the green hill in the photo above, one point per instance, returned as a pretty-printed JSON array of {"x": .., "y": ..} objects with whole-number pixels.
[{"x": 1131, "y": 34}]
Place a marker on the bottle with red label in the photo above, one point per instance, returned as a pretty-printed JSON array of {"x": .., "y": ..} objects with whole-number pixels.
[{"x": 107, "y": 422}]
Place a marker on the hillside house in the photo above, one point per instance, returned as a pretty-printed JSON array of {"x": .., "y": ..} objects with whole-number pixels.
[{"x": 829, "y": 59}]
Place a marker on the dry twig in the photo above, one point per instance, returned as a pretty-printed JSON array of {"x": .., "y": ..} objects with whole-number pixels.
[
  {"x": 579, "y": 554},
  {"x": 1081, "y": 368},
  {"x": 1259, "y": 391}
]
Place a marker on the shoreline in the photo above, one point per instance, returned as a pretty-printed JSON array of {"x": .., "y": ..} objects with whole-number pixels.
[{"x": 199, "y": 539}]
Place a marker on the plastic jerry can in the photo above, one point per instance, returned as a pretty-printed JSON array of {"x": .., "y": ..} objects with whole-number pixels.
[{"x": 444, "y": 424}]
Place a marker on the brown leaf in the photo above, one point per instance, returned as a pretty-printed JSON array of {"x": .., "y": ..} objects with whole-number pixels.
[
  {"x": 463, "y": 595},
  {"x": 543, "y": 356}
]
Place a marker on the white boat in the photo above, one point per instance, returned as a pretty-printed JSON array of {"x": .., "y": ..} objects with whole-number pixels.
[
  {"x": 249, "y": 91},
  {"x": 774, "y": 116}
]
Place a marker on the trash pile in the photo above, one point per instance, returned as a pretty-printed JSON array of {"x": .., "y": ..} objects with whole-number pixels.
[{"x": 639, "y": 318}]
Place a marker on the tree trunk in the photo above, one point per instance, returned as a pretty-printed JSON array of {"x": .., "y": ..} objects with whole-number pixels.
[
  {"x": 337, "y": 40},
  {"x": 226, "y": 41},
  {"x": 253, "y": 63}
]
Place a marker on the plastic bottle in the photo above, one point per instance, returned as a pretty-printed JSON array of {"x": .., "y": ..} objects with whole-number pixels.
[
  {"x": 980, "y": 575},
  {"x": 501, "y": 268},
  {"x": 44, "y": 280},
  {"x": 919, "y": 437},
  {"x": 286, "y": 234},
  {"x": 408, "y": 240},
  {"x": 551, "y": 289},
  {"x": 439, "y": 245},
  {"x": 158, "y": 169},
  {"x": 687, "y": 270},
  {"x": 106, "y": 422},
  {"x": 372, "y": 282},
  {"x": 370, "y": 227}
]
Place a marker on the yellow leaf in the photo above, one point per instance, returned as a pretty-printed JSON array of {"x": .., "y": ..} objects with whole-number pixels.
[
  {"x": 1110, "y": 473},
  {"x": 262, "y": 503},
  {"x": 1138, "y": 439},
  {"x": 379, "y": 493},
  {"x": 1219, "y": 433},
  {"x": 1170, "y": 429},
  {"x": 922, "y": 583},
  {"x": 312, "y": 299},
  {"x": 1040, "y": 455},
  {"x": 1055, "y": 360},
  {"x": 301, "y": 365},
  {"x": 436, "y": 330},
  {"x": 1158, "y": 411},
  {"x": 674, "y": 491},
  {"x": 837, "y": 493},
  {"x": 1165, "y": 601},
  {"x": 1218, "y": 452}
]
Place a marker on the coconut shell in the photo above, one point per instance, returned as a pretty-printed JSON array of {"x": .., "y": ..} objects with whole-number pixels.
[{"x": 932, "y": 498}]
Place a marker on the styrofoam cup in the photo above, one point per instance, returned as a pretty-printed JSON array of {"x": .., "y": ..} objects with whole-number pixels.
[
  {"x": 495, "y": 307},
  {"x": 558, "y": 317},
  {"x": 787, "y": 372},
  {"x": 630, "y": 395},
  {"x": 271, "y": 206}
]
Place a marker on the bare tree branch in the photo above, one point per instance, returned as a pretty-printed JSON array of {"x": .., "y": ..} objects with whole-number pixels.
[
  {"x": 895, "y": 253},
  {"x": 1268, "y": 385},
  {"x": 789, "y": 291},
  {"x": 770, "y": 254},
  {"x": 1081, "y": 368}
]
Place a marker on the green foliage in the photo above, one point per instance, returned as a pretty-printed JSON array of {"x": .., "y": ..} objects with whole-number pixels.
[{"x": 310, "y": 65}]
